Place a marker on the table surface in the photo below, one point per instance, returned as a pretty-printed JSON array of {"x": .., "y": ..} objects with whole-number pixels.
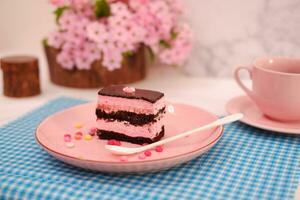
[{"x": 208, "y": 93}]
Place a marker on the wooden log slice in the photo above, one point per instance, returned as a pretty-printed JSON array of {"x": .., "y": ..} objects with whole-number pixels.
[{"x": 20, "y": 76}]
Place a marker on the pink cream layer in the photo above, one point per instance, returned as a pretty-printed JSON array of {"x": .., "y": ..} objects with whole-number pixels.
[
  {"x": 147, "y": 130},
  {"x": 114, "y": 104}
]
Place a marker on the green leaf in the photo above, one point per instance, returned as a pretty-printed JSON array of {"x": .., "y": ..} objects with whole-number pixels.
[
  {"x": 165, "y": 44},
  {"x": 151, "y": 54},
  {"x": 45, "y": 42},
  {"x": 59, "y": 11},
  {"x": 128, "y": 53},
  {"x": 102, "y": 8},
  {"x": 173, "y": 35}
]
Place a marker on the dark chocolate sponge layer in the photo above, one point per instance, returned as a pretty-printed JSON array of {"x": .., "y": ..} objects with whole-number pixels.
[
  {"x": 110, "y": 135},
  {"x": 131, "y": 117},
  {"x": 117, "y": 91}
]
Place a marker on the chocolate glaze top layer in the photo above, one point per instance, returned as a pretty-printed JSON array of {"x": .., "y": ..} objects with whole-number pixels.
[{"x": 117, "y": 91}]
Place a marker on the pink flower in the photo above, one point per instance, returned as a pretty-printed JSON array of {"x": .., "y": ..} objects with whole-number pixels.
[
  {"x": 176, "y": 6},
  {"x": 166, "y": 56},
  {"x": 86, "y": 52},
  {"x": 81, "y": 25},
  {"x": 68, "y": 46},
  {"x": 65, "y": 60},
  {"x": 137, "y": 34},
  {"x": 159, "y": 7},
  {"x": 83, "y": 38},
  {"x": 67, "y": 20},
  {"x": 184, "y": 32},
  {"x": 117, "y": 21},
  {"x": 83, "y": 62},
  {"x": 95, "y": 30},
  {"x": 137, "y": 4},
  {"x": 144, "y": 17},
  {"x": 88, "y": 11},
  {"x": 151, "y": 37},
  {"x": 92, "y": 51},
  {"x": 175, "y": 55},
  {"x": 121, "y": 34},
  {"x": 79, "y": 4},
  {"x": 164, "y": 31},
  {"x": 121, "y": 16},
  {"x": 55, "y": 39},
  {"x": 83, "y": 55},
  {"x": 112, "y": 59},
  {"x": 144, "y": 2},
  {"x": 124, "y": 46},
  {"x": 106, "y": 42},
  {"x": 118, "y": 7},
  {"x": 59, "y": 3},
  {"x": 74, "y": 37}
]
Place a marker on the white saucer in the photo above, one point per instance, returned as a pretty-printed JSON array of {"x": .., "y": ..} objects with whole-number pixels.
[{"x": 254, "y": 117}]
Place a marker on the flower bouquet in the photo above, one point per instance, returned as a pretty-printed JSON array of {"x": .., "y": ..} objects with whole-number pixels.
[{"x": 102, "y": 42}]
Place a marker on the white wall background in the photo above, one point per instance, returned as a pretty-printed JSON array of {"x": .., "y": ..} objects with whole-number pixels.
[{"x": 227, "y": 33}]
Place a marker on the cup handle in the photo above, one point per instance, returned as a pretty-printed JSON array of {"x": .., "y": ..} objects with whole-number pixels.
[{"x": 239, "y": 81}]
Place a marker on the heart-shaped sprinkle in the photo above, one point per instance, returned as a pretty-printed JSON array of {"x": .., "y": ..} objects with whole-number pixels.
[
  {"x": 141, "y": 156},
  {"x": 129, "y": 89},
  {"x": 70, "y": 144},
  {"x": 148, "y": 153},
  {"x": 93, "y": 131},
  {"x": 111, "y": 142},
  {"x": 123, "y": 158},
  {"x": 67, "y": 138},
  {"x": 159, "y": 149},
  {"x": 117, "y": 143},
  {"x": 78, "y": 125},
  {"x": 88, "y": 137},
  {"x": 78, "y": 135},
  {"x": 114, "y": 142}
]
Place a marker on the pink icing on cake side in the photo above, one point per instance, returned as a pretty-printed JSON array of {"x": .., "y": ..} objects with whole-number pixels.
[
  {"x": 147, "y": 130},
  {"x": 114, "y": 104}
]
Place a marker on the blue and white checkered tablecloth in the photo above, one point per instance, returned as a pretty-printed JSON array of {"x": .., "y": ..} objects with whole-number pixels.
[{"x": 247, "y": 163}]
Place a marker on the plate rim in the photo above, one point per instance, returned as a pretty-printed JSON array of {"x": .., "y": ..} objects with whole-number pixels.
[
  {"x": 220, "y": 133},
  {"x": 256, "y": 125}
]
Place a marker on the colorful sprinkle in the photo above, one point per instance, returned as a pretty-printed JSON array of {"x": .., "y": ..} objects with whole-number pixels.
[
  {"x": 171, "y": 109},
  {"x": 67, "y": 138},
  {"x": 129, "y": 89},
  {"x": 159, "y": 149},
  {"x": 78, "y": 125},
  {"x": 117, "y": 143},
  {"x": 141, "y": 156},
  {"x": 110, "y": 142},
  {"x": 70, "y": 144},
  {"x": 123, "y": 158},
  {"x": 148, "y": 153},
  {"x": 78, "y": 135},
  {"x": 88, "y": 137},
  {"x": 114, "y": 142},
  {"x": 93, "y": 131}
]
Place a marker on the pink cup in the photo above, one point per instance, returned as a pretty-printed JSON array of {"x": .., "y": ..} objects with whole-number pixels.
[{"x": 275, "y": 87}]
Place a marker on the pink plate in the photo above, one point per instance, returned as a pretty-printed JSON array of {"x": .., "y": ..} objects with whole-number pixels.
[
  {"x": 91, "y": 154},
  {"x": 254, "y": 117}
]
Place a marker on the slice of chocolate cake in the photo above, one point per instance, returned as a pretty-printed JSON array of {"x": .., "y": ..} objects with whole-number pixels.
[{"x": 131, "y": 115}]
